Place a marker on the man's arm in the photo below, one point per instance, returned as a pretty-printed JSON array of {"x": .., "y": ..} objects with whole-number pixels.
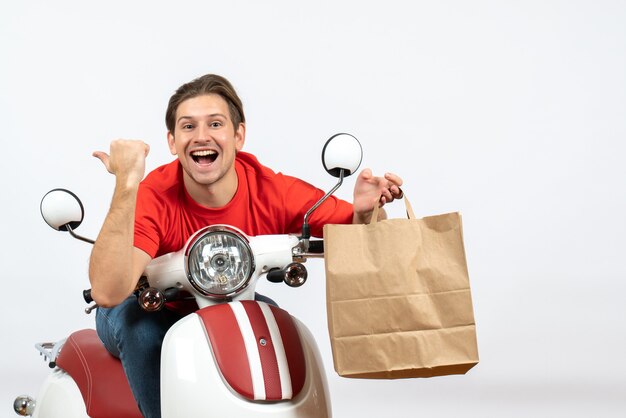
[
  {"x": 370, "y": 190},
  {"x": 115, "y": 264}
]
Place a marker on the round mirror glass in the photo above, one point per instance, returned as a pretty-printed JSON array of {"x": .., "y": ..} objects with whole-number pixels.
[
  {"x": 60, "y": 208},
  {"x": 342, "y": 152}
]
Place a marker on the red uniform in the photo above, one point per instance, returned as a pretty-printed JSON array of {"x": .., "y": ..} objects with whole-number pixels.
[{"x": 265, "y": 203}]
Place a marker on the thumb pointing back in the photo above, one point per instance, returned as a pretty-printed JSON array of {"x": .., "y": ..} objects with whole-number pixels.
[{"x": 104, "y": 157}]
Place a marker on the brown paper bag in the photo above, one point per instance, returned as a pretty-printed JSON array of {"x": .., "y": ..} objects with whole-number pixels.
[{"x": 398, "y": 298}]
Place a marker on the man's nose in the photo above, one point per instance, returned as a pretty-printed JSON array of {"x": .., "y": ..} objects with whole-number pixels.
[{"x": 204, "y": 133}]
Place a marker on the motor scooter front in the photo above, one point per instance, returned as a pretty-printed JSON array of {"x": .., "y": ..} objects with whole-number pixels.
[{"x": 232, "y": 357}]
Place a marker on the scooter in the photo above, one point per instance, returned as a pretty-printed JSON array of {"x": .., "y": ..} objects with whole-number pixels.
[{"x": 234, "y": 356}]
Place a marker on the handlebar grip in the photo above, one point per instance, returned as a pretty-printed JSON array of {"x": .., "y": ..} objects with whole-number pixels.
[
  {"x": 276, "y": 276},
  {"x": 87, "y": 295},
  {"x": 316, "y": 246},
  {"x": 171, "y": 294}
]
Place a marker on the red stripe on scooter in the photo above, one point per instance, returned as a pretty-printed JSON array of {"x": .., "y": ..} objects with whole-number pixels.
[
  {"x": 228, "y": 347},
  {"x": 269, "y": 364},
  {"x": 293, "y": 348}
]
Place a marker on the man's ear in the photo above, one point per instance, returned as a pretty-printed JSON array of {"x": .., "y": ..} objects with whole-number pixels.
[
  {"x": 240, "y": 136},
  {"x": 171, "y": 143}
]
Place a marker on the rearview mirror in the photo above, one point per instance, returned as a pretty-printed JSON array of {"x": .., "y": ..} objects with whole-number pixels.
[
  {"x": 341, "y": 156},
  {"x": 342, "y": 152},
  {"x": 63, "y": 211},
  {"x": 61, "y": 208}
]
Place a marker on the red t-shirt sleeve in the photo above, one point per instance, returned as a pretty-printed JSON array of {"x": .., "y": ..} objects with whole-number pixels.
[{"x": 149, "y": 214}]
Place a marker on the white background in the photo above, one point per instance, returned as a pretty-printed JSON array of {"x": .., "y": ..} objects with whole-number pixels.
[{"x": 513, "y": 113}]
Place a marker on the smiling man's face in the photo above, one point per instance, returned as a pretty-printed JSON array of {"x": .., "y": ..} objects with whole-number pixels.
[{"x": 205, "y": 140}]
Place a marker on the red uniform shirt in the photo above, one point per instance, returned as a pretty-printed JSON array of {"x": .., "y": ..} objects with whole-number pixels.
[{"x": 265, "y": 203}]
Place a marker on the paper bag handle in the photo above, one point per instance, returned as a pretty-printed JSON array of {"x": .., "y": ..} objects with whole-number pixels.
[{"x": 407, "y": 205}]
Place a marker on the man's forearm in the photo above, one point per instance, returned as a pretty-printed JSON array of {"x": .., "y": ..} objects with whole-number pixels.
[{"x": 111, "y": 270}]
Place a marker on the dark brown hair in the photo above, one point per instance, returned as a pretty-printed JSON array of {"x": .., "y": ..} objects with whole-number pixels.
[{"x": 207, "y": 84}]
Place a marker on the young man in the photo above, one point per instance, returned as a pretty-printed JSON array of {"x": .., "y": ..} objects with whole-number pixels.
[{"x": 211, "y": 181}]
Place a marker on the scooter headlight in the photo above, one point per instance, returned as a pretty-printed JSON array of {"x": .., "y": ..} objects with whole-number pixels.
[{"x": 219, "y": 261}]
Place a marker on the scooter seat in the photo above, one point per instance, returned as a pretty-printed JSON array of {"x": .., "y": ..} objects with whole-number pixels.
[{"x": 99, "y": 376}]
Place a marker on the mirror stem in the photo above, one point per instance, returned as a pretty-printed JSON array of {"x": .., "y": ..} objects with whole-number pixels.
[
  {"x": 306, "y": 232},
  {"x": 75, "y": 235}
]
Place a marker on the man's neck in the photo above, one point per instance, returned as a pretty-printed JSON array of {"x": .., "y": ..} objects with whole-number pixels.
[{"x": 215, "y": 195}]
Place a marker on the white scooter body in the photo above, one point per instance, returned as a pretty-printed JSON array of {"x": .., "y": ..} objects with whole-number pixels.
[
  {"x": 189, "y": 370},
  {"x": 191, "y": 381},
  {"x": 192, "y": 384},
  {"x": 60, "y": 397}
]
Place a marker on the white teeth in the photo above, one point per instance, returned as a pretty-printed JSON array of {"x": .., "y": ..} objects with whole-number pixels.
[{"x": 203, "y": 153}]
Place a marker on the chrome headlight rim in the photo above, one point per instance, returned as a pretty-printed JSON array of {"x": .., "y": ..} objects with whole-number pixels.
[{"x": 193, "y": 242}]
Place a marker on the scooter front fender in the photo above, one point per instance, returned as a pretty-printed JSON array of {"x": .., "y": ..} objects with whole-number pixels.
[{"x": 192, "y": 383}]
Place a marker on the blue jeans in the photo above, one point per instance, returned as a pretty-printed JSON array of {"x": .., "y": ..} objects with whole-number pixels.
[{"x": 135, "y": 337}]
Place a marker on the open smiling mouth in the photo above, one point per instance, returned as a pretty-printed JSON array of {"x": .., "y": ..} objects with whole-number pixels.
[{"x": 205, "y": 157}]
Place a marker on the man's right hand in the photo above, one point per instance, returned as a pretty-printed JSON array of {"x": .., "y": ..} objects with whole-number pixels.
[
  {"x": 116, "y": 264},
  {"x": 127, "y": 160}
]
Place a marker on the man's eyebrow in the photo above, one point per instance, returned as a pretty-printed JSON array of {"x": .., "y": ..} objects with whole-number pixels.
[{"x": 212, "y": 115}]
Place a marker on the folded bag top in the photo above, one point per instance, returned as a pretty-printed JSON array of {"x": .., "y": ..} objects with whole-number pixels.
[{"x": 398, "y": 297}]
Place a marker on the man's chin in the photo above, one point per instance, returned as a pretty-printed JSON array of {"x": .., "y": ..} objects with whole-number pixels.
[
  {"x": 205, "y": 179},
  {"x": 202, "y": 177}
]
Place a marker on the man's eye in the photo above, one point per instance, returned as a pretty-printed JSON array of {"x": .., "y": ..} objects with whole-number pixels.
[
  {"x": 216, "y": 124},
  {"x": 187, "y": 126}
]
